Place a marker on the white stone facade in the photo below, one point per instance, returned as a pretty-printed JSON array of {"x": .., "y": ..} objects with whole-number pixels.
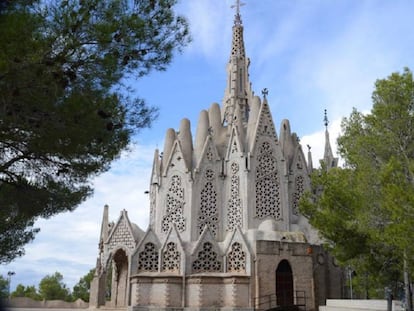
[{"x": 223, "y": 216}]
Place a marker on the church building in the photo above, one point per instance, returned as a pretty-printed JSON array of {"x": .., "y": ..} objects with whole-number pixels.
[{"x": 225, "y": 232}]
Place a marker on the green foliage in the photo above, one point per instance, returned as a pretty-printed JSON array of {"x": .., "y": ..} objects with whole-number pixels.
[
  {"x": 4, "y": 288},
  {"x": 82, "y": 288},
  {"x": 334, "y": 212},
  {"x": 51, "y": 287},
  {"x": 365, "y": 211},
  {"x": 64, "y": 113},
  {"x": 26, "y": 291}
]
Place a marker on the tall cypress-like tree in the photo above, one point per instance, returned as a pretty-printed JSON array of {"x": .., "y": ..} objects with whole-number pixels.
[
  {"x": 64, "y": 114},
  {"x": 365, "y": 211}
]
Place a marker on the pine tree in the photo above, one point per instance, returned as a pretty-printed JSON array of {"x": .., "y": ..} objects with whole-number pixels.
[
  {"x": 64, "y": 114},
  {"x": 365, "y": 211}
]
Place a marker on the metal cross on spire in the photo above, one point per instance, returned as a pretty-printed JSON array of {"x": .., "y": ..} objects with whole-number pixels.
[
  {"x": 265, "y": 92},
  {"x": 237, "y": 20},
  {"x": 237, "y": 6}
]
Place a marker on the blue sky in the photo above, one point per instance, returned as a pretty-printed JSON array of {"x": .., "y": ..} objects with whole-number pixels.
[{"x": 310, "y": 54}]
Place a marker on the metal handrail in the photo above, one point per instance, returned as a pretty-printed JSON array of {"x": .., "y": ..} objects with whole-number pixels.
[{"x": 265, "y": 302}]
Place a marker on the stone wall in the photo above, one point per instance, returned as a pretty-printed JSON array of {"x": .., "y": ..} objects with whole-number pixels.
[
  {"x": 193, "y": 292},
  {"x": 25, "y": 302},
  {"x": 269, "y": 255}
]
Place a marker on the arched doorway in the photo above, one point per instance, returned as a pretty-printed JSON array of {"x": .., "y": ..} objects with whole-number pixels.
[
  {"x": 119, "y": 279},
  {"x": 284, "y": 284}
]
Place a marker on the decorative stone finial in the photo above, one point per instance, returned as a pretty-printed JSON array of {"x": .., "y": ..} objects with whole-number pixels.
[
  {"x": 265, "y": 92},
  {"x": 325, "y": 120}
]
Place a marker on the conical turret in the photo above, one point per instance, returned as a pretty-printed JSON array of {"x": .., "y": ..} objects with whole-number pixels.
[
  {"x": 168, "y": 143},
  {"x": 201, "y": 133},
  {"x": 186, "y": 142}
]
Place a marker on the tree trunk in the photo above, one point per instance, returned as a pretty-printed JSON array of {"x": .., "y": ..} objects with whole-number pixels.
[{"x": 407, "y": 289}]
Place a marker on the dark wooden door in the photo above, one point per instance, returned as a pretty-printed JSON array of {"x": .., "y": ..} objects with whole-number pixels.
[{"x": 284, "y": 284}]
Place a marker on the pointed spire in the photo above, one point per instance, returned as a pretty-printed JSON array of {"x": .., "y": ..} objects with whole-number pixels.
[
  {"x": 156, "y": 171},
  {"x": 104, "y": 226},
  {"x": 328, "y": 158},
  {"x": 238, "y": 91}
]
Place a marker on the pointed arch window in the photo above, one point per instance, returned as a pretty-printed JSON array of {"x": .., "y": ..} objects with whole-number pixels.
[
  {"x": 268, "y": 202},
  {"x": 174, "y": 206},
  {"x": 236, "y": 259},
  {"x": 234, "y": 213},
  {"x": 171, "y": 258},
  {"x": 208, "y": 212},
  {"x": 207, "y": 260},
  {"x": 299, "y": 189},
  {"x": 148, "y": 258}
]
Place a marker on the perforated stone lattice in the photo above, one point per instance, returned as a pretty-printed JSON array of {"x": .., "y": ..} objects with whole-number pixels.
[
  {"x": 209, "y": 174},
  {"x": 238, "y": 45},
  {"x": 174, "y": 206},
  {"x": 207, "y": 260},
  {"x": 209, "y": 154},
  {"x": 234, "y": 214},
  {"x": 171, "y": 258},
  {"x": 148, "y": 258},
  {"x": 234, "y": 168},
  {"x": 208, "y": 213},
  {"x": 236, "y": 258},
  {"x": 267, "y": 184},
  {"x": 122, "y": 236},
  {"x": 299, "y": 189}
]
